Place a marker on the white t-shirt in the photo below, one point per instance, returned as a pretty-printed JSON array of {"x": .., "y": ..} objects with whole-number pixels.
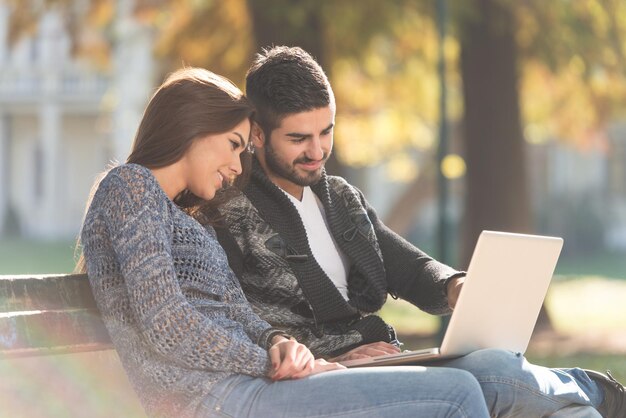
[{"x": 325, "y": 250}]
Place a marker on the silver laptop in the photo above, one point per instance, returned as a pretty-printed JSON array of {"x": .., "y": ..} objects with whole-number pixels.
[{"x": 506, "y": 283}]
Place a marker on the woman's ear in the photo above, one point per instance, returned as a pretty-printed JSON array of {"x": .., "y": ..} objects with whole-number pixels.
[{"x": 257, "y": 136}]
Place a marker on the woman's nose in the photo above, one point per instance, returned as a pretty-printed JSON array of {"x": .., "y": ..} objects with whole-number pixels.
[{"x": 236, "y": 165}]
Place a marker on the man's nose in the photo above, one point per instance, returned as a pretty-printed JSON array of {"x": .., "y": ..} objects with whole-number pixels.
[{"x": 315, "y": 150}]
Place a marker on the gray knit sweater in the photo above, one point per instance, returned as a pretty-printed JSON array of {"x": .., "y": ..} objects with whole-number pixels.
[{"x": 173, "y": 308}]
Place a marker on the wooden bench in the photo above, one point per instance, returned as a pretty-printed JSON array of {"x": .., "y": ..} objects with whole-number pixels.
[
  {"x": 57, "y": 314},
  {"x": 49, "y": 314}
]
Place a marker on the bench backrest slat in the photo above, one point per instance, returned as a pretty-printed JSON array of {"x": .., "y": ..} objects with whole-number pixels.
[
  {"x": 49, "y": 314},
  {"x": 45, "y": 292}
]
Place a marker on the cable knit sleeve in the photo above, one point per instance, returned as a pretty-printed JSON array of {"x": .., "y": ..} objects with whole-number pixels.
[
  {"x": 411, "y": 273},
  {"x": 134, "y": 214}
]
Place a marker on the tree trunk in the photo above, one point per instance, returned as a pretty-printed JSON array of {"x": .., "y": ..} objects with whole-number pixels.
[
  {"x": 273, "y": 25},
  {"x": 497, "y": 193}
]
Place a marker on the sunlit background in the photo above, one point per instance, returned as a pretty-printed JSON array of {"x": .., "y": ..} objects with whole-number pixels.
[{"x": 452, "y": 117}]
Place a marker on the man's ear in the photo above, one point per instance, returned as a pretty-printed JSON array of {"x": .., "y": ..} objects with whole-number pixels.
[{"x": 257, "y": 135}]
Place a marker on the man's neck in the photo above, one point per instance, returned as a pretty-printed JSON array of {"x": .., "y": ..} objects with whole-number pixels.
[{"x": 287, "y": 186}]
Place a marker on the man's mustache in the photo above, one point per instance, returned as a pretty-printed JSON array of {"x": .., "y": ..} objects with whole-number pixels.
[{"x": 306, "y": 160}]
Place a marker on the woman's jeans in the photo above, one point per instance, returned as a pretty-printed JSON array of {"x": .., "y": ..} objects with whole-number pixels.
[
  {"x": 515, "y": 388},
  {"x": 378, "y": 392}
]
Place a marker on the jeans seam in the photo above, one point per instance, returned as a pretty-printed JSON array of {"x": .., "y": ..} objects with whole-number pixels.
[
  {"x": 392, "y": 404},
  {"x": 517, "y": 385}
]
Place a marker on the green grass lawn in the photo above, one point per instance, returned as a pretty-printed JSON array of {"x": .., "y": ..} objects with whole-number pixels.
[
  {"x": 605, "y": 264},
  {"x": 21, "y": 256}
]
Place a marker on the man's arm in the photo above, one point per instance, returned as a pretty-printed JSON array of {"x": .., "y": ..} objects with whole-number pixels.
[{"x": 412, "y": 274}]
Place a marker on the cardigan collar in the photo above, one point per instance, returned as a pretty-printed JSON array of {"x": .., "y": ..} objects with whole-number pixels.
[
  {"x": 354, "y": 234},
  {"x": 326, "y": 302},
  {"x": 275, "y": 208}
]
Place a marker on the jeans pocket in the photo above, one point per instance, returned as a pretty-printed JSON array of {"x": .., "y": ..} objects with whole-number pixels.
[
  {"x": 211, "y": 408},
  {"x": 213, "y": 403}
]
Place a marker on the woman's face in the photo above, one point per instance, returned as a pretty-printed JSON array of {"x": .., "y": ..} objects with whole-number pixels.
[{"x": 213, "y": 160}]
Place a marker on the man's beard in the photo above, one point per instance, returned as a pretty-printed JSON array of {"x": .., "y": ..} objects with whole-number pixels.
[{"x": 288, "y": 171}]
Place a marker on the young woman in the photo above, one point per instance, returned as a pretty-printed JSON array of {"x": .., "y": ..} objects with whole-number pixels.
[{"x": 187, "y": 338}]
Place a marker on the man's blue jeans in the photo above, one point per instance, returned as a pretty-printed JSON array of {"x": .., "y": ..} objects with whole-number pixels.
[
  {"x": 513, "y": 387},
  {"x": 379, "y": 392}
]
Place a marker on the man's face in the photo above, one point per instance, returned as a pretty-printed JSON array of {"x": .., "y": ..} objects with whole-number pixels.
[{"x": 298, "y": 149}]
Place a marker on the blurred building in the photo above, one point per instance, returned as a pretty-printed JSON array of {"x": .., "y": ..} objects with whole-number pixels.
[
  {"x": 580, "y": 192},
  {"x": 577, "y": 192},
  {"x": 616, "y": 187},
  {"x": 62, "y": 121}
]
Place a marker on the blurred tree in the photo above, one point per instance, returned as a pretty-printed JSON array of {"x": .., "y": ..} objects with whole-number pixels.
[
  {"x": 497, "y": 195},
  {"x": 217, "y": 35},
  {"x": 348, "y": 40},
  {"x": 382, "y": 57},
  {"x": 565, "y": 80},
  {"x": 517, "y": 71},
  {"x": 574, "y": 67}
]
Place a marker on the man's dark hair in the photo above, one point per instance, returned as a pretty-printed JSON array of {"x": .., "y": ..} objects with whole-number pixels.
[{"x": 285, "y": 80}]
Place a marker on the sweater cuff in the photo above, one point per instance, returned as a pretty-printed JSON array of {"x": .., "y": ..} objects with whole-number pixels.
[
  {"x": 451, "y": 277},
  {"x": 265, "y": 339}
]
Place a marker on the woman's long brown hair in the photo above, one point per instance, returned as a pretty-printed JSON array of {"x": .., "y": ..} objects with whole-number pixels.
[{"x": 191, "y": 103}]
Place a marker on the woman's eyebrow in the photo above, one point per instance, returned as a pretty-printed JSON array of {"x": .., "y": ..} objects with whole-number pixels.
[{"x": 242, "y": 143}]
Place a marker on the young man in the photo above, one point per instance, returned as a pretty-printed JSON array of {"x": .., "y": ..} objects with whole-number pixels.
[{"x": 315, "y": 260}]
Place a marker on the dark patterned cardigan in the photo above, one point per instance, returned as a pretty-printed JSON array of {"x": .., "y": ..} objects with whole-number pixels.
[{"x": 268, "y": 249}]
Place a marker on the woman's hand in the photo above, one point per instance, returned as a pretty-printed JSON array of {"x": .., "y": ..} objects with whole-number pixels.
[
  {"x": 289, "y": 358},
  {"x": 292, "y": 360}
]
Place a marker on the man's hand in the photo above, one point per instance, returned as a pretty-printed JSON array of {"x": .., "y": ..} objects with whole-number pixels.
[
  {"x": 320, "y": 366},
  {"x": 290, "y": 359},
  {"x": 454, "y": 290},
  {"x": 368, "y": 350}
]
